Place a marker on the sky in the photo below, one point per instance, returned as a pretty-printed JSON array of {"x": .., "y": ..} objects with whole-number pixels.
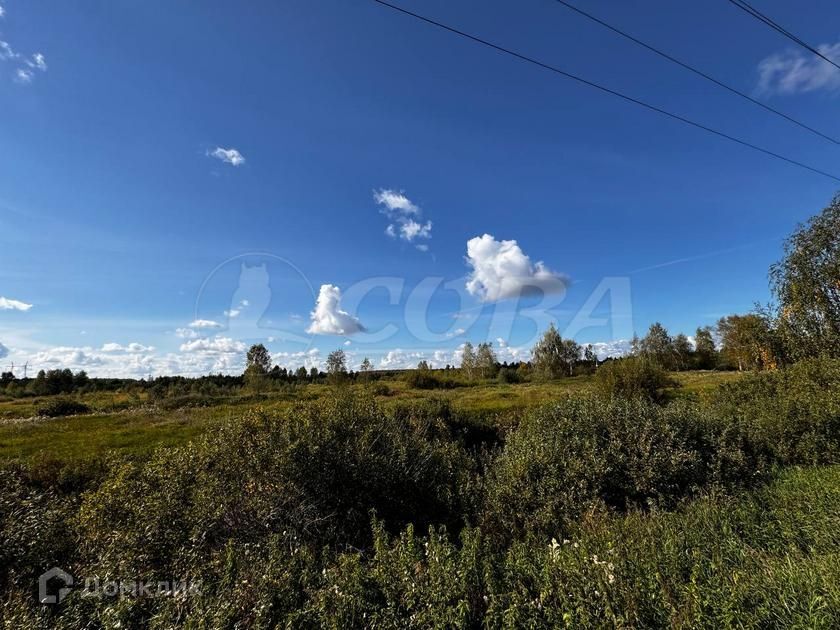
[{"x": 180, "y": 180}]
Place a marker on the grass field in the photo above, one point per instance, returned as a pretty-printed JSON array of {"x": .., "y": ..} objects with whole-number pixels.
[{"x": 129, "y": 423}]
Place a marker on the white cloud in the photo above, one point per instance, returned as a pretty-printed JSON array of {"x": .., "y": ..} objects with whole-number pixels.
[
  {"x": 501, "y": 270},
  {"x": 616, "y": 348},
  {"x": 404, "y": 215},
  {"x": 411, "y": 230},
  {"x": 216, "y": 345},
  {"x": 6, "y": 51},
  {"x": 4, "y": 351},
  {"x": 328, "y": 318},
  {"x": 395, "y": 202},
  {"x": 132, "y": 348},
  {"x": 230, "y": 156},
  {"x": 2, "y": 11},
  {"x": 204, "y": 323},
  {"x": 37, "y": 62},
  {"x": 13, "y": 305},
  {"x": 66, "y": 356},
  {"x": 22, "y": 75},
  {"x": 186, "y": 333},
  {"x": 794, "y": 72}
]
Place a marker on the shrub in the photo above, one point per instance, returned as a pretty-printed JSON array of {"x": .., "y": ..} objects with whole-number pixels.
[
  {"x": 425, "y": 379},
  {"x": 62, "y": 407},
  {"x": 633, "y": 377},
  {"x": 314, "y": 475},
  {"x": 791, "y": 415},
  {"x": 585, "y": 454}
]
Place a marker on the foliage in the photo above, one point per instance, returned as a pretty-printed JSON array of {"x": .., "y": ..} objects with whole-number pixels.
[
  {"x": 748, "y": 341},
  {"x": 633, "y": 377},
  {"x": 62, "y": 407},
  {"x": 806, "y": 284},
  {"x": 548, "y": 354},
  {"x": 588, "y": 454}
]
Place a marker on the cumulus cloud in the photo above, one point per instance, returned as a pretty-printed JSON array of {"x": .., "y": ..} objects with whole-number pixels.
[
  {"x": 204, "y": 323},
  {"x": 13, "y": 305},
  {"x": 501, "y": 270},
  {"x": 2, "y": 11},
  {"x": 230, "y": 156},
  {"x": 405, "y": 216},
  {"x": 794, "y": 72},
  {"x": 612, "y": 349},
  {"x": 66, "y": 356},
  {"x": 328, "y": 318},
  {"x": 186, "y": 333},
  {"x": 215, "y": 345},
  {"x": 132, "y": 348}
]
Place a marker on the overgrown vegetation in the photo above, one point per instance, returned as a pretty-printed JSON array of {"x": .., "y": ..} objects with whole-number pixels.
[{"x": 342, "y": 512}]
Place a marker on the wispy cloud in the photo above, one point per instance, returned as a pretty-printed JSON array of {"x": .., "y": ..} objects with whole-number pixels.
[
  {"x": 25, "y": 73},
  {"x": 794, "y": 72},
  {"x": 230, "y": 156},
  {"x": 204, "y": 323},
  {"x": 13, "y": 305}
]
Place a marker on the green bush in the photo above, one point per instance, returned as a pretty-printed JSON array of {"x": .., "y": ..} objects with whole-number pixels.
[
  {"x": 314, "y": 475},
  {"x": 62, "y": 407},
  {"x": 633, "y": 377},
  {"x": 590, "y": 453},
  {"x": 791, "y": 415}
]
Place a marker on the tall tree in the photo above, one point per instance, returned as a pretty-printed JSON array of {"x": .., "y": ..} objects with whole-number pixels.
[
  {"x": 571, "y": 355},
  {"x": 683, "y": 353},
  {"x": 705, "y": 352},
  {"x": 337, "y": 364},
  {"x": 366, "y": 365},
  {"x": 589, "y": 357},
  {"x": 468, "y": 360},
  {"x": 657, "y": 345},
  {"x": 547, "y": 355},
  {"x": 485, "y": 360},
  {"x": 806, "y": 284},
  {"x": 258, "y": 360},
  {"x": 747, "y": 341}
]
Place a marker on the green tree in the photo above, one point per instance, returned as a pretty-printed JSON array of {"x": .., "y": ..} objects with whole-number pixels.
[
  {"x": 301, "y": 373},
  {"x": 705, "y": 351},
  {"x": 258, "y": 360},
  {"x": 485, "y": 360},
  {"x": 589, "y": 357},
  {"x": 806, "y": 284},
  {"x": 571, "y": 355},
  {"x": 683, "y": 353},
  {"x": 747, "y": 341},
  {"x": 547, "y": 354},
  {"x": 468, "y": 360},
  {"x": 337, "y": 365},
  {"x": 658, "y": 346}
]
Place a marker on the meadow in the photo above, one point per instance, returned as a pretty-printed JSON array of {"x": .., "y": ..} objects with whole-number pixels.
[{"x": 380, "y": 504}]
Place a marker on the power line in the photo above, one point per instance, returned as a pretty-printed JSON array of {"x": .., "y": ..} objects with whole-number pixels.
[
  {"x": 604, "y": 89},
  {"x": 690, "y": 68},
  {"x": 758, "y": 15}
]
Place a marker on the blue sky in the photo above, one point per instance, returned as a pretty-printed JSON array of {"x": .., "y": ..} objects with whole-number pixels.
[{"x": 121, "y": 222}]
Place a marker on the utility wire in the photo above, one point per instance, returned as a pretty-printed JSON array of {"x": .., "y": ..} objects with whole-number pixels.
[
  {"x": 604, "y": 89},
  {"x": 690, "y": 68},
  {"x": 758, "y": 15}
]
